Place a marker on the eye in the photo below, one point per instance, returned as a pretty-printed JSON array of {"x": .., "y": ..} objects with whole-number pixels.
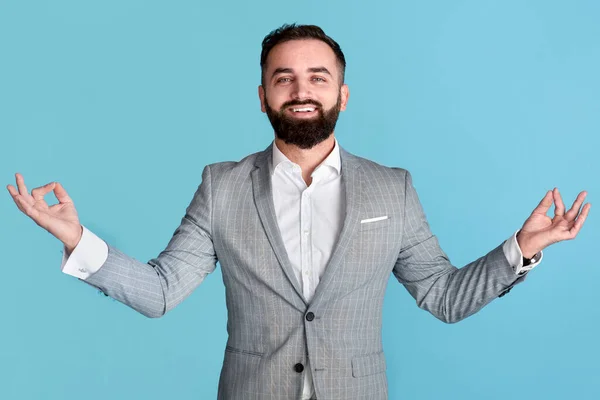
[
  {"x": 284, "y": 79},
  {"x": 318, "y": 79}
]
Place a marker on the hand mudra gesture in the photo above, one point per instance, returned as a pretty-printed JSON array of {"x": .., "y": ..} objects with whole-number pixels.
[
  {"x": 60, "y": 219},
  {"x": 541, "y": 230}
]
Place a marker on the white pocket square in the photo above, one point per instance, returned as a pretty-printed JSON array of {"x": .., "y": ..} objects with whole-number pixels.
[{"x": 366, "y": 221}]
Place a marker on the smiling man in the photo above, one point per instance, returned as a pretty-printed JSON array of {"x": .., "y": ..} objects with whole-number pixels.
[
  {"x": 308, "y": 96},
  {"x": 307, "y": 236}
]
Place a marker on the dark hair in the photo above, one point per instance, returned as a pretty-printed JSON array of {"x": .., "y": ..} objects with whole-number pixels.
[{"x": 289, "y": 32}]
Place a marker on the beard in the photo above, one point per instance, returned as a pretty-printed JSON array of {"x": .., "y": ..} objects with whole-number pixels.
[{"x": 304, "y": 133}]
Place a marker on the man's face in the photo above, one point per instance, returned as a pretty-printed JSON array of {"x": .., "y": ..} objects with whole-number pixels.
[{"x": 302, "y": 93}]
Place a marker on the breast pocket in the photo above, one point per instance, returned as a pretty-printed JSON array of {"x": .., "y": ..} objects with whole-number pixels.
[{"x": 368, "y": 224}]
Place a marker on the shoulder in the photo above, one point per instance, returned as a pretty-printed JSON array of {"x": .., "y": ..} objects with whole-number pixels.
[
  {"x": 374, "y": 170},
  {"x": 226, "y": 170},
  {"x": 232, "y": 175},
  {"x": 231, "y": 168}
]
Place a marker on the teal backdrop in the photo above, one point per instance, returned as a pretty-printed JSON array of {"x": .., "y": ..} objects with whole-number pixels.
[{"x": 487, "y": 103}]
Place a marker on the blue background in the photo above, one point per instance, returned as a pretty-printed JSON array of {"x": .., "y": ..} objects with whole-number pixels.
[{"x": 488, "y": 104}]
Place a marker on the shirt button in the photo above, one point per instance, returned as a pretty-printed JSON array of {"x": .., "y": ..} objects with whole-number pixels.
[
  {"x": 298, "y": 368},
  {"x": 310, "y": 316},
  {"x": 306, "y": 233}
]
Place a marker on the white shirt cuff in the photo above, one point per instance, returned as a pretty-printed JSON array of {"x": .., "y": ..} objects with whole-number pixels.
[
  {"x": 513, "y": 254},
  {"x": 88, "y": 256}
]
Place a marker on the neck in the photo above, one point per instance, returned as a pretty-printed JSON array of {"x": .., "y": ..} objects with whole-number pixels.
[{"x": 307, "y": 159}]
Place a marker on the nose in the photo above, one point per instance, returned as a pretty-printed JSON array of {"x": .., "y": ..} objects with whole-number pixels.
[{"x": 301, "y": 90}]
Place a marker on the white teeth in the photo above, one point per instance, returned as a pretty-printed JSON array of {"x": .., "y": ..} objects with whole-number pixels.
[{"x": 305, "y": 109}]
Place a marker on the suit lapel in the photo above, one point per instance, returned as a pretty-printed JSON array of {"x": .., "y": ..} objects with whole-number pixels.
[
  {"x": 263, "y": 198},
  {"x": 352, "y": 177}
]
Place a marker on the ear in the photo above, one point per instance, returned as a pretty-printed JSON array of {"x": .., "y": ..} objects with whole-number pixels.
[
  {"x": 261, "y": 96},
  {"x": 345, "y": 93}
]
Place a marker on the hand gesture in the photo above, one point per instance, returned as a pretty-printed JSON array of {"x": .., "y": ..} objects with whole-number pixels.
[
  {"x": 59, "y": 219},
  {"x": 540, "y": 231}
]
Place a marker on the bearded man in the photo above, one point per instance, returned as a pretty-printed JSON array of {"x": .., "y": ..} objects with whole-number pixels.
[{"x": 307, "y": 236}]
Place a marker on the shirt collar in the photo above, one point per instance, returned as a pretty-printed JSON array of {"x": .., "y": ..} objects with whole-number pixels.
[{"x": 333, "y": 159}]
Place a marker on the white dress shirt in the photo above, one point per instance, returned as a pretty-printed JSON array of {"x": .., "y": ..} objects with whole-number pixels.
[{"x": 310, "y": 219}]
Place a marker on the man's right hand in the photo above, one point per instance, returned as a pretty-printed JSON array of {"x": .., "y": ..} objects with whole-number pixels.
[{"x": 59, "y": 219}]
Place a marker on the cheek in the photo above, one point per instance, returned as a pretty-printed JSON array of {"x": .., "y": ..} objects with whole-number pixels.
[
  {"x": 276, "y": 98},
  {"x": 330, "y": 100}
]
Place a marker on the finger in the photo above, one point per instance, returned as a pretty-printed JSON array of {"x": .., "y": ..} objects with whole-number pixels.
[
  {"x": 559, "y": 206},
  {"x": 15, "y": 194},
  {"x": 61, "y": 194},
  {"x": 15, "y": 198},
  {"x": 21, "y": 184},
  {"x": 576, "y": 208},
  {"x": 580, "y": 220},
  {"x": 39, "y": 192},
  {"x": 544, "y": 205},
  {"x": 28, "y": 209},
  {"x": 12, "y": 190}
]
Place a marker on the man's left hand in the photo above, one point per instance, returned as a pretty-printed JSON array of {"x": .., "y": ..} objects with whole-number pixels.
[{"x": 540, "y": 231}]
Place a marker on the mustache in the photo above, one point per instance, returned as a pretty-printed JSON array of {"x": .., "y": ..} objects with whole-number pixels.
[{"x": 292, "y": 103}]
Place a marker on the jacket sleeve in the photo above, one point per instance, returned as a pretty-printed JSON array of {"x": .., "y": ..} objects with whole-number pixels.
[
  {"x": 155, "y": 287},
  {"x": 449, "y": 293}
]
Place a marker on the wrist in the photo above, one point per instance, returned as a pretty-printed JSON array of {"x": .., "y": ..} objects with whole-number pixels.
[
  {"x": 69, "y": 247},
  {"x": 527, "y": 250}
]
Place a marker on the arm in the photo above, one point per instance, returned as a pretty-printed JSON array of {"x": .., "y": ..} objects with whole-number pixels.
[
  {"x": 151, "y": 288},
  {"x": 156, "y": 287},
  {"x": 449, "y": 293}
]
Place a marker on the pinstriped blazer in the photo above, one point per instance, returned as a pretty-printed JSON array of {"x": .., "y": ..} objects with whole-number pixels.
[{"x": 231, "y": 218}]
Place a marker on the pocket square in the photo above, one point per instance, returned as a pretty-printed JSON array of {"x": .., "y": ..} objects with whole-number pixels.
[{"x": 366, "y": 221}]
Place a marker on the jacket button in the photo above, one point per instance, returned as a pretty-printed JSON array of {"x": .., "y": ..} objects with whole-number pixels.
[
  {"x": 310, "y": 316},
  {"x": 298, "y": 368}
]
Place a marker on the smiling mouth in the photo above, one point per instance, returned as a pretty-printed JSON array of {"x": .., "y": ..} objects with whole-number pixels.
[{"x": 303, "y": 109}]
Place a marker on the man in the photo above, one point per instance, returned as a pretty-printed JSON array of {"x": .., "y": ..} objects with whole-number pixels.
[{"x": 307, "y": 236}]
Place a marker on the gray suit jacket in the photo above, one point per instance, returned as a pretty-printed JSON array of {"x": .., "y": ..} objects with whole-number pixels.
[{"x": 231, "y": 219}]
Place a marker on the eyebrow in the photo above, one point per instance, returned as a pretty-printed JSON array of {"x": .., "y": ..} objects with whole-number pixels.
[
  {"x": 320, "y": 69},
  {"x": 289, "y": 70}
]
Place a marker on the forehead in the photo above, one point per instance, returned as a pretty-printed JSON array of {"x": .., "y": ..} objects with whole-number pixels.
[{"x": 301, "y": 54}]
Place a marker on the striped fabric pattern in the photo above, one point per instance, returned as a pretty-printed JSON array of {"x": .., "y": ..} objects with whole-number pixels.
[{"x": 231, "y": 218}]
